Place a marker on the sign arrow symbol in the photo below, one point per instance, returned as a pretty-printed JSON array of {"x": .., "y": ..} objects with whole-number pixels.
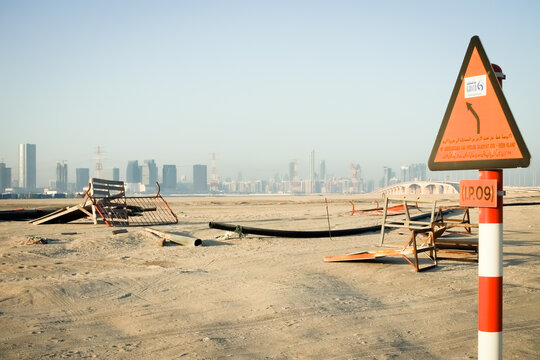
[{"x": 470, "y": 108}]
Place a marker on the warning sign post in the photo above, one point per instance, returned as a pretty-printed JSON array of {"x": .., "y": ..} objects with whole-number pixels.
[{"x": 478, "y": 131}]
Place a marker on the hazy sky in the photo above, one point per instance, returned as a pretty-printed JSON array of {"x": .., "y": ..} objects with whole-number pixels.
[{"x": 259, "y": 83}]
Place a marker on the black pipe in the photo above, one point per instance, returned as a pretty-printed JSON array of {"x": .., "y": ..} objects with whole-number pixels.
[
  {"x": 321, "y": 233},
  {"x": 302, "y": 234},
  {"x": 522, "y": 204}
]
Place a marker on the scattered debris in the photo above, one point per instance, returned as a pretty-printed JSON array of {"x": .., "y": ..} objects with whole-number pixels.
[
  {"x": 464, "y": 221},
  {"x": 176, "y": 238},
  {"x": 456, "y": 245},
  {"x": 64, "y": 215},
  {"x": 408, "y": 222},
  {"x": 364, "y": 210},
  {"x": 107, "y": 199},
  {"x": 35, "y": 240},
  {"x": 116, "y": 209},
  {"x": 69, "y": 233},
  {"x": 239, "y": 231},
  {"x": 227, "y": 236},
  {"x": 379, "y": 211},
  {"x": 119, "y": 231},
  {"x": 160, "y": 242},
  {"x": 410, "y": 251},
  {"x": 452, "y": 248}
]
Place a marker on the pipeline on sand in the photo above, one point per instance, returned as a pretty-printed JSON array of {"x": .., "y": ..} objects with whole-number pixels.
[{"x": 302, "y": 234}]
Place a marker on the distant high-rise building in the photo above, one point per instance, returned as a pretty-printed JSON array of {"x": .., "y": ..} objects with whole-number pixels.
[
  {"x": 61, "y": 176},
  {"x": 292, "y": 166},
  {"x": 357, "y": 184},
  {"x": 169, "y": 177},
  {"x": 83, "y": 178},
  {"x": 417, "y": 172},
  {"x": 149, "y": 174},
  {"x": 5, "y": 177},
  {"x": 322, "y": 170},
  {"x": 405, "y": 174},
  {"x": 200, "y": 183},
  {"x": 311, "y": 185},
  {"x": 111, "y": 174},
  {"x": 387, "y": 176},
  {"x": 27, "y": 166},
  {"x": 133, "y": 174},
  {"x": 370, "y": 186}
]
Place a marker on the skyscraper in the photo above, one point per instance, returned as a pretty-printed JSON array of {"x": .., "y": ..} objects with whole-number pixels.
[
  {"x": 149, "y": 174},
  {"x": 27, "y": 166},
  {"x": 5, "y": 177},
  {"x": 405, "y": 173},
  {"x": 417, "y": 172},
  {"x": 387, "y": 176},
  {"x": 292, "y": 166},
  {"x": 311, "y": 186},
  {"x": 356, "y": 179},
  {"x": 133, "y": 175},
  {"x": 322, "y": 170},
  {"x": 83, "y": 178},
  {"x": 61, "y": 177},
  {"x": 200, "y": 183},
  {"x": 169, "y": 177}
]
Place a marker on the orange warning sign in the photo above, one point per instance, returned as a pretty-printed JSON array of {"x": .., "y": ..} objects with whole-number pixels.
[{"x": 478, "y": 130}]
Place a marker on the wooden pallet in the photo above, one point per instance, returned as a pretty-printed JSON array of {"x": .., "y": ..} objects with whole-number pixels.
[{"x": 64, "y": 215}]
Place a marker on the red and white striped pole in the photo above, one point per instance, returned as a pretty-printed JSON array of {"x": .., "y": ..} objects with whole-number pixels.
[
  {"x": 490, "y": 273},
  {"x": 490, "y": 267}
]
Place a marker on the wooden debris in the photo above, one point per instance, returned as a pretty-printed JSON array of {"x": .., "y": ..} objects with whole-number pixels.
[
  {"x": 410, "y": 251},
  {"x": 107, "y": 199},
  {"x": 119, "y": 231},
  {"x": 64, "y": 215},
  {"x": 35, "y": 240},
  {"x": 408, "y": 222},
  {"x": 176, "y": 238},
  {"x": 159, "y": 241}
]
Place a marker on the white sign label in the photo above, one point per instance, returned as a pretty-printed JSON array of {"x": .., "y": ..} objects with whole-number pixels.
[{"x": 475, "y": 86}]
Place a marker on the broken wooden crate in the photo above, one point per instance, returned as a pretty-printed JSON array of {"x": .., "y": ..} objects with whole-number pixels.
[
  {"x": 411, "y": 251},
  {"x": 458, "y": 245}
]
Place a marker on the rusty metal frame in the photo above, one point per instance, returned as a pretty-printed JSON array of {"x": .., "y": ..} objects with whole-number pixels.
[{"x": 121, "y": 210}]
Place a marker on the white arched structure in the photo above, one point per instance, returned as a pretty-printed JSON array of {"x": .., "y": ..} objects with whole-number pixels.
[{"x": 420, "y": 188}]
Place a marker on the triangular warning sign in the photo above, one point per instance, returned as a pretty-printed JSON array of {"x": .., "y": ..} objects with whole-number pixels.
[{"x": 478, "y": 130}]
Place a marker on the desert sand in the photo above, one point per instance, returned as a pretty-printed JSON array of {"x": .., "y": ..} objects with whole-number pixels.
[{"x": 91, "y": 294}]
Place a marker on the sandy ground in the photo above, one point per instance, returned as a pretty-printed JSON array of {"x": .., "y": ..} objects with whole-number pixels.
[{"x": 93, "y": 294}]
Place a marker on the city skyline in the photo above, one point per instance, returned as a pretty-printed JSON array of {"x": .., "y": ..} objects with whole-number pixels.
[
  {"x": 260, "y": 84},
  {"x": 148, "y": 172}
]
